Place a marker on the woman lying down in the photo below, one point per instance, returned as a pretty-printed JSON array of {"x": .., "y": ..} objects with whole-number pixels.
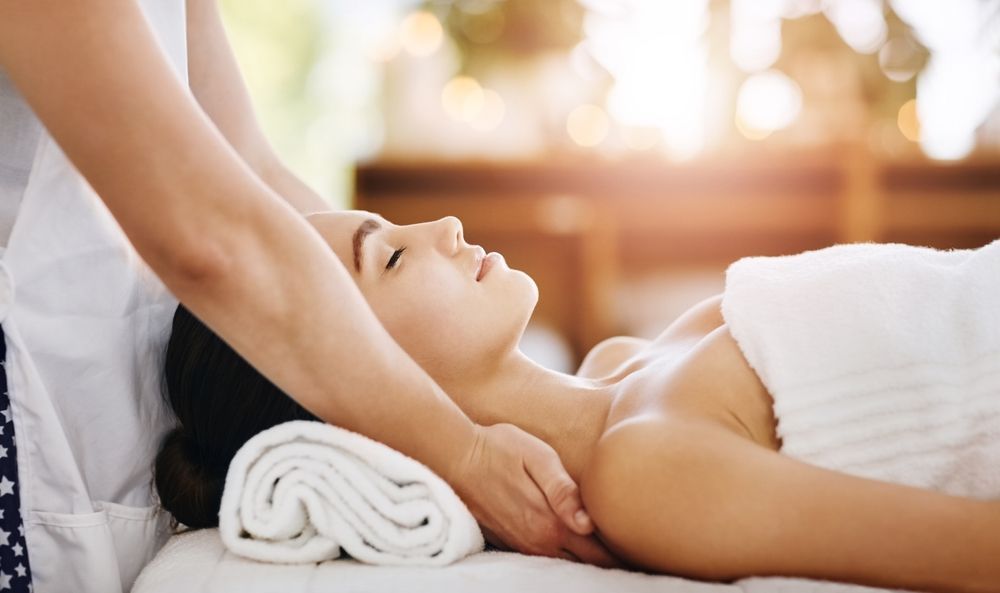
[{"x": 833, "y": 415}]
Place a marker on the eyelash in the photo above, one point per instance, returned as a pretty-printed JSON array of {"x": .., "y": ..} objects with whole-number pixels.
[{"x": 395, "y": 258}]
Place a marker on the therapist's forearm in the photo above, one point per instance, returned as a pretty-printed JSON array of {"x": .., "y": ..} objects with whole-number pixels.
[{"x": 242, "y": 260}]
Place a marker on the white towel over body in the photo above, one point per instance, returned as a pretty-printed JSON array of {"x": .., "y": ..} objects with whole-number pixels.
[
  {"x": 883, "y": 360},
  {"x": 301, "y": 491}
]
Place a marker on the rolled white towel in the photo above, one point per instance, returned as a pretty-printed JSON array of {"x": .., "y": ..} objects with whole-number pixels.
[{"x": 302, "y": 490}]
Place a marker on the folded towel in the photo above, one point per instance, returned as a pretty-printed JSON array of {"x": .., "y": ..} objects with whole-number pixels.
[
  {"x": 883, "y": 360},
  {"x": 301, "y": 490}
]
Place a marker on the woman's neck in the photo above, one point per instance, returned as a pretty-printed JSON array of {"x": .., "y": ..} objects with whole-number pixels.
[{"x": 567, "y": 412}]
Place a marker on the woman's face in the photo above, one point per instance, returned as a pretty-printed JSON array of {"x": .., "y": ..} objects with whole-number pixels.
[{"x": 421, "y": 281}]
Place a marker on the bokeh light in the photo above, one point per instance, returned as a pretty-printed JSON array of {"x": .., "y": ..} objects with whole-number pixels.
[
  {"x": 899, "y": 59},
  {"x": 588, "y": 125},
  {"x": 462, "y": 98},
  {"x": 958, "y": 88},
  {"x": 950, "y": 105},
  {"x": 794, "y": 9},
  {"x": 465, "y": 100},
  {"x": 656, "y": 54},
  {"x": 755, "y": 33},
  {"x": 674, "y": 79},
  {"x": 492, "y": 112},
  {"x": 767, "y": 102},
  {"x": 860, "y": 23},
  {"x": 484, "y": 26},
  {"x": 755, "y": 47},
  {"x": 908, "y": 122},
  {"x": 421, "y": 33}
]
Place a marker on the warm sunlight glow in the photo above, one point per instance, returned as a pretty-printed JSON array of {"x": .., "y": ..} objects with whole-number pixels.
[
  {"x": 768, "y": 101},
  {"x": 421, "y": 33},
  {"x": 492, "y": 112},
  {"x": 385, "y": 49},
  {"x": 641, "y": 138},
  {"x": 463, "y": 98},
  {"x": 749, "y": 132},
  {"x": 755, "y": 33},
  {"x": 655, "y": 51},
  {"x": 860, "y": 23},
  {"x": 909, "y": 124},
  {"x": 958, "y": 89},
  {"x": 587, "y": 125}
]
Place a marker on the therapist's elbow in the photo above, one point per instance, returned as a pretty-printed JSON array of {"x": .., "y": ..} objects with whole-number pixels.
[{"x": 185, "y": 266}]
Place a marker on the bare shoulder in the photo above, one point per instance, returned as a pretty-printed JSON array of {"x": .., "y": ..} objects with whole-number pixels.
[
  {"x": 697, "y": 321},
  {"x": 609, "y": 354},
  {"x": 630, "y": 487}
]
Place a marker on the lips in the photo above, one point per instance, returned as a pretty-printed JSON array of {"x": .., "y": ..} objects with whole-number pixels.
[
  {"x": 480, "y": 262},
  {"x": 485, "y": 265}
]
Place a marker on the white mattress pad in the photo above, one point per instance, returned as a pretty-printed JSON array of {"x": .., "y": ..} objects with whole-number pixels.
[{"x": 198, "y": 562}]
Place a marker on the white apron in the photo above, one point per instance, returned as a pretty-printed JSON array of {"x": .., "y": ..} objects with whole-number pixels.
[{"x": 85, "y": 323}]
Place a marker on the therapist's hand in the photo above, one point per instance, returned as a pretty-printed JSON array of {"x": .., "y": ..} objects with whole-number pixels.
[{"x": 516, "y": 487}]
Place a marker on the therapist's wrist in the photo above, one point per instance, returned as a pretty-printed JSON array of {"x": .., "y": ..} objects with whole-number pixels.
[
  {"x": 461, "y": 473},
  {"x": 448, "y": 448},
  {"x": 457, "y": 465}
]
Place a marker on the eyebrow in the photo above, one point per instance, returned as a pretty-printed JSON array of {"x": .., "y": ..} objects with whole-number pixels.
[{"x": 367, "y": 227}]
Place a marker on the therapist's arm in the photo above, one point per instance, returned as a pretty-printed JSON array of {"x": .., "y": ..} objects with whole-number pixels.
[
  {"x": 217, "y": 84},
  {"x": 248, "y": 264}
]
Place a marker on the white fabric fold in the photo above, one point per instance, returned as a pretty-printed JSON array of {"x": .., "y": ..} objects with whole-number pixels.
[
  {"x": 883, "y": 360},
  {"x": 301, "y": 491}
]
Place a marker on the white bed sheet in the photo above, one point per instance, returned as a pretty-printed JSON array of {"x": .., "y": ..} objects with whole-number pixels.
[{"x": 197, "y": 562}]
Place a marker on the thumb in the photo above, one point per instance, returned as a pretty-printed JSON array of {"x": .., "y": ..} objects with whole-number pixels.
[{"x": 560, "y": 490}]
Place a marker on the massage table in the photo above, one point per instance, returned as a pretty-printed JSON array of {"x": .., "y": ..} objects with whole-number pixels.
[{"x": 197, "y": 562}]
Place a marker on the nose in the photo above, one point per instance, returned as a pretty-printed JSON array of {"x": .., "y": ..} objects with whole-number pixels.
[{"x": 451, "y": 235}]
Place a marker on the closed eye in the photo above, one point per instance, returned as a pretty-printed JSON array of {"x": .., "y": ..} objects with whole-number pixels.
[{"x": 394, "y": 258}]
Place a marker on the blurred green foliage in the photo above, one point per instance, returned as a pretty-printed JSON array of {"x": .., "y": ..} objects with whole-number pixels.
[
  {"x": 489, "y": 30},
  {"x": 277, "y": 44}
]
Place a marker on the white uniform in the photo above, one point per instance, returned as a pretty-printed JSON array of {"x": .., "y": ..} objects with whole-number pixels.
[{"x": 85, "y": 322}]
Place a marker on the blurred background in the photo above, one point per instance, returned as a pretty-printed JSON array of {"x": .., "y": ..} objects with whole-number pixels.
[{"x": 624, "y": 152}]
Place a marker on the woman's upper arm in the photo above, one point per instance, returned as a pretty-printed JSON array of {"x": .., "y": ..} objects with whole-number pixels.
[{"x": 687, "y": 497}]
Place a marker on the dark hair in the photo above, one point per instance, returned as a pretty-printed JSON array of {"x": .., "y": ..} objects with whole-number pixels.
[{"x": 220, "y": 402}]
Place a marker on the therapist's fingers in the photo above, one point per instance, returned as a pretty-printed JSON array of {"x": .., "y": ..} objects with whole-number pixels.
[
  {"x": 494, "y": 540},
  {"x": 496, "y": 486},
  {"x": 590, "y": 550},
  {"x": 561, "y": 492}
]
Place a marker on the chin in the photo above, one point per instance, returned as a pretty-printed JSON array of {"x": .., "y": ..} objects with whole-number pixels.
[
  {"x": 526, "y": 290},
  {"x": 514, "y": 309},
  {"x": 529, "y": 298}
]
